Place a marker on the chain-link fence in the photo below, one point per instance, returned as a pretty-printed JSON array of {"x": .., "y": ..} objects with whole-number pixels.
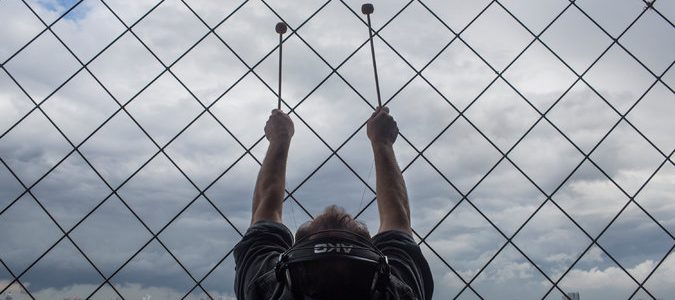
[{"x": 463, "y": 204}]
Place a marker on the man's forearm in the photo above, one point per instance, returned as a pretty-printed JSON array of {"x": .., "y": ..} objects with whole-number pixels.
[
  {"x": 392, "y": 196},
  {"x": 271, "y": 183}
]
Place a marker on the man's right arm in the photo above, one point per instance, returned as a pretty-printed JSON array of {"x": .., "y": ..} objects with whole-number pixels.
[
  {"x": 395, "y": 238},
  {"x": 392, "y": 196}
]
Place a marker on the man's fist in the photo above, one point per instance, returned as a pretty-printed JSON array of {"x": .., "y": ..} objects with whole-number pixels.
[
  {"x": 382, "y": 128},
  {"x": 279, "y": 128}
]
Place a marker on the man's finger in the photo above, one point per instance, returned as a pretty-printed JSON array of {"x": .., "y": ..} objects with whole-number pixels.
[
  {"x": 386, "y": 109},
  {"x": 377, "y": 110},
  {"x": 382, "y": 113},
  {"x": 288, "y": 118}
]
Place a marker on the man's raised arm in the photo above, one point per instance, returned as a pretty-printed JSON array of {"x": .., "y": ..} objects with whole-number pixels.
[
  {"x": 268, "y": 196},
  {"x": 392, "y": 196}
]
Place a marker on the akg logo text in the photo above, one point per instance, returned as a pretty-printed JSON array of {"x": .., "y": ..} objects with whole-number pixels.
[{"x": 328, "y": 248}]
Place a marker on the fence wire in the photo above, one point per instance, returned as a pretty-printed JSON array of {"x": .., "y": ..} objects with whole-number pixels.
[{"x": 458, "y": 37}]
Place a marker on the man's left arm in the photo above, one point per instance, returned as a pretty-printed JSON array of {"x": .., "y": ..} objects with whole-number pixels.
[
  {"x": 256, "y": 254},
  {"x": 268, "y": 196}
]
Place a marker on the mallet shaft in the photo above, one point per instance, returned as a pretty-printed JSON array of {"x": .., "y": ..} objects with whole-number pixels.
[
  {"x": 372, "y": 52},
  {"x": 280, "y": 60},
  {"x": 280, "y": 28}
]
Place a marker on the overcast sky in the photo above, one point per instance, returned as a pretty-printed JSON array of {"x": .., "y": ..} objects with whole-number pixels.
[{"x": 210, "y": 153}]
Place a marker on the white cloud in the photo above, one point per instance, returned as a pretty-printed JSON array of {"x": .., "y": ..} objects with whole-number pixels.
[
  {"x": 128, "y": 290},
  {"x": 596, "y": 282}
]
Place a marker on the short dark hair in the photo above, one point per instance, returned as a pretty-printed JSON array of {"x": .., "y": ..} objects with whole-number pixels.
[
  {"x": 333, "y": 217},
  {"x": 313, "y": 274}
]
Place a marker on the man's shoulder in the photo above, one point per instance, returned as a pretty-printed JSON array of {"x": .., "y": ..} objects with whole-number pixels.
[
  {"x": 262, "y": 235},
  {"x": 408, "y": 264},
  {"x": 256, "y": 255}
]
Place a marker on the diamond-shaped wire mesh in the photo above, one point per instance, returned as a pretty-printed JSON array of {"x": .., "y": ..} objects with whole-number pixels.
[{"x": 536, "y": 139}]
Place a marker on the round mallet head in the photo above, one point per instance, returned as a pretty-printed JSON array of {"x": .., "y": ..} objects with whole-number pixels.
[
  {"x": 281, "y": 28},
  {"x": 367, "y": 8}
]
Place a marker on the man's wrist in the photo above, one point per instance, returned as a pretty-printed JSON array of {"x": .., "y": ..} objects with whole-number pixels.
[
  {"x": 381, "y": 146},
  {"x": 281, "y": 144}
]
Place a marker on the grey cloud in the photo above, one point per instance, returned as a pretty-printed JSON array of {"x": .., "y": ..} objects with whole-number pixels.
[
  {"x": 170, "y": 30},
  {"x": 71, "y": 191},
  {"x": 426, "y": 35},
  {"x": 158, "y": 182},
  {"x": 652, "y": 115},
  {"x": 37, "y": 233},
  {"x": 165, "y": 100},
  {"x": 110, "y": 235},
  {"x": 208, "y": 60},
  {"x": 87, "y": 29},
  {"x": 499, "y": 45},
  {"x": 15, "y": 104},
  {"x": 122, "y": 77},
  {"x": 42, "y": 66},
  {"x": 200, "y": 236},
  {"x": 33, "y": 147},
  {"x": 118, "y": 149}
]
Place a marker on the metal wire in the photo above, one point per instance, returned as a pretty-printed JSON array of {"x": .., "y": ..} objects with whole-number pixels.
[{"x": 28, "y": 195}]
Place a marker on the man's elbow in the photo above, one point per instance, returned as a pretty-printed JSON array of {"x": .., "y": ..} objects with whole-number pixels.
[
  {"x": 399, "y": 223},
  {"x": 266, "y": 212}
]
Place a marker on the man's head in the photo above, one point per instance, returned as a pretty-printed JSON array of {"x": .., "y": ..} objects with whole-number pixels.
[
  {"x": 330, "y": 279},
  {"x": 333, "y": 217}
]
